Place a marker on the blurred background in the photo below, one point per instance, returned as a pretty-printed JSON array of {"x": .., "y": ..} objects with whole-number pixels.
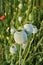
[{"x": 17, "y": 13}]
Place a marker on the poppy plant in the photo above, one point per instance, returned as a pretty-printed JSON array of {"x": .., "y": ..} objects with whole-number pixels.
[{"x": 2, "y": 17}]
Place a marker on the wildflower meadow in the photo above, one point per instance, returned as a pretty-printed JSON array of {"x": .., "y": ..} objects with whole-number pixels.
[{"x": 21, "y": 32}]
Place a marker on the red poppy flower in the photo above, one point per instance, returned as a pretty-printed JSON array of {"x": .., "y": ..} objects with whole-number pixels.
[{"x": 2, "y": 17}]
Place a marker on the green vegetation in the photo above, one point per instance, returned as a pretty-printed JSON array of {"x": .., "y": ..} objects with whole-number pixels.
[{"x": 30, "y": 11}]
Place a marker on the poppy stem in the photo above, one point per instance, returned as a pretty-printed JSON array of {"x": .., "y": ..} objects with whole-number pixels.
[{"x": 20, "y": 56}]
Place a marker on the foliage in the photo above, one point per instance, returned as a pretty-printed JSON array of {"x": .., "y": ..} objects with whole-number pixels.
[{"x": 33, "y": 53}]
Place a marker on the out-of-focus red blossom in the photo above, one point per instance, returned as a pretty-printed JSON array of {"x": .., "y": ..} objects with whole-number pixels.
[{"x": 2, "y": 17}]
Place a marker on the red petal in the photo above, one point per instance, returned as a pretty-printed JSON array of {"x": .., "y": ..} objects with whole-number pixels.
[{"x": 2, "y": 17}]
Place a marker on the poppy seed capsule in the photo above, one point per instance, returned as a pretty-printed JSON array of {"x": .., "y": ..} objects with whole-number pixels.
[
  {"x": 13, "y": 50},
  {"x": 28, "y": 28},
  {"x": 35, "y": 30},
  {"x": 20, "y": 37}
]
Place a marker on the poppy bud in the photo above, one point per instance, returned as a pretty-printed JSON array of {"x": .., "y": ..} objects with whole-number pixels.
[{"x": 12, "y": 30}]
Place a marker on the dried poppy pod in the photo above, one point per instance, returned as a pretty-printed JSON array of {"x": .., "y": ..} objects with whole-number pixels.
[
  {"x": 13, "y": 49},
  {"x": 20, "y": 37},
  {"x": 28, "y": 28},
  {"x": 35, "y": 30}
]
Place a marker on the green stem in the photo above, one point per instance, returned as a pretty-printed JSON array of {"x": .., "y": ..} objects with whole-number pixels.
[
  {"x": 20, "y": 56},
  {"x": 34, "y": 3},
  {"x": 34, "y": 55},
  {"x": 1, "y": 11},
  {"x": 28, "y": 48},
  {"x": 38, "y": 43}
]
